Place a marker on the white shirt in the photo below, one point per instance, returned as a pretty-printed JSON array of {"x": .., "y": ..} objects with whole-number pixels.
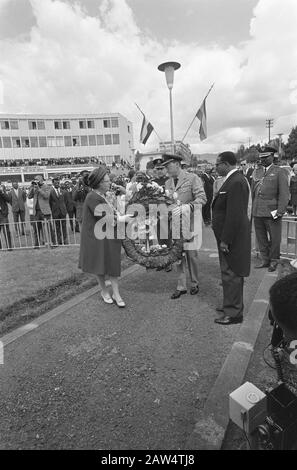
[{"x": 267, "y": 168}]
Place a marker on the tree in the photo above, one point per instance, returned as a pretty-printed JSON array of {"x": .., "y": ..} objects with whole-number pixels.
[
  {"x": 252, "y": 154},
  {"x": 291, "y": 146}
]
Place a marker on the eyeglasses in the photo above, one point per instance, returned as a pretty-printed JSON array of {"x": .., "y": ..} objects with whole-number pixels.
[{"x": 219, "y": 163}]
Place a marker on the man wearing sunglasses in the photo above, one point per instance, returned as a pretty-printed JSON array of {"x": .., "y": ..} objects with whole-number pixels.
[{"x": 270, "y": 199}]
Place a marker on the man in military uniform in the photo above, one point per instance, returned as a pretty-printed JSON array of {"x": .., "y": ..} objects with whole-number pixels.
[
  {"x": 188, "y": 189},
  {"x": 160, "y": 172},
  {"x": 270, "y": 199}
]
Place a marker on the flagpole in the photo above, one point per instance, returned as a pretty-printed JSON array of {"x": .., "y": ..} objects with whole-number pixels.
[
  {"x": 154, "y": 127},
  {"x": 196, "y": 113}
]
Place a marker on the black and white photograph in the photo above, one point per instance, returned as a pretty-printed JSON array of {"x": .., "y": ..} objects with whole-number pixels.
[{"x": 148, "y": 228}]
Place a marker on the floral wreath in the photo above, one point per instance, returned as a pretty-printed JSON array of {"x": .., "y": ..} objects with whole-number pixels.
[{"x": 149, "y": 254}]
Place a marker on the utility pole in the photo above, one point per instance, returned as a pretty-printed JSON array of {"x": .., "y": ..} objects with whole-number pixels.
[
  {"x": 269, "y": 125},
  {"x": 280, "y": 145}
]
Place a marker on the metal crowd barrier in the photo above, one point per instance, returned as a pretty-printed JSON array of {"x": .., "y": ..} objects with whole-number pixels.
[
  {"x": 289, "y": 237},
  {"x": 47, "y": 233},
  {"x": 51, "y": 233}
]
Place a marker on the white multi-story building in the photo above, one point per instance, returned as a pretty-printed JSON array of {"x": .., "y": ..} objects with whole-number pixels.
[{"x": 107, "y": 137}]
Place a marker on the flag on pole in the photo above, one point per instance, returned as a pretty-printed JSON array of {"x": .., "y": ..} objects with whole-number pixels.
[
  {"x": 201, "y": 115},
  {"x": 146, "y": 130}
]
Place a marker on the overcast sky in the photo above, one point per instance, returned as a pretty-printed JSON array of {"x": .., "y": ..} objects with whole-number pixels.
[{"x": 102, "y": 55}]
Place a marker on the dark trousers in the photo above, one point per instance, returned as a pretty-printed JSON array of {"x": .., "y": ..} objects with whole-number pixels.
[
  {"x": 232, "y": 289},
  {"x": 206, "y": 212},
  {"x": 4, "y": 227},
  {"x": 48, "y": 227},
  {"x": 72, "y": 214},
  {"x": 269, "y": 235},
  {"x": 37, "y": 230},
  {"x": 61, "y": 231},
  {"x": 16, "y": 216}
]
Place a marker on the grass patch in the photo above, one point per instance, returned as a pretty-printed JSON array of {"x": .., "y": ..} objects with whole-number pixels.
[{"x": 39, "y": 282}]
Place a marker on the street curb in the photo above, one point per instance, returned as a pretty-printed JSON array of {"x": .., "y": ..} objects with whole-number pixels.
[
  {"x": 23, "y": 330},
  {"x": 212, "y": 422}
]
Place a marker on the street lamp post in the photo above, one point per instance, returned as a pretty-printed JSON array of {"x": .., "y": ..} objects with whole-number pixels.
[{"x": 169, "y": 68}]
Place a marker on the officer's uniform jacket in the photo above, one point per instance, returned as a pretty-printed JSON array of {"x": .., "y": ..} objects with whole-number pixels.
[{"x": 271, "y": 192}]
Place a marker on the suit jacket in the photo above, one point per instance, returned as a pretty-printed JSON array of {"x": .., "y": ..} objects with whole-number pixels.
[
  {"x": 271, "y": 192},
  {"x": 58, "y": 204},
  {"x": 17, "y": 201},
  {"x": 70, "y": 204},
  {"x": 231, "y": 224},
  {"x": 189, "y": 189},
  {"x": 4, "y": 199},
  {"x": 42, "y": 196},
  {"x": 208, "y": 186}
]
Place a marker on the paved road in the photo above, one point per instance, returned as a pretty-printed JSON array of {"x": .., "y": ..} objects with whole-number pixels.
[{"x": 98, "y": 377}]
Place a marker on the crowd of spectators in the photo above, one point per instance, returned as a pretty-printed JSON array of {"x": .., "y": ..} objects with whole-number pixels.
[{"x": 55, "y": 162}]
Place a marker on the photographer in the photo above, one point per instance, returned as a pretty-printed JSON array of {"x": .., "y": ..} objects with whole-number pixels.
[
  {"x": 4, "y": 224},
  {"x": 40, "y": 193},
  {"x": 80, "y": 193}
]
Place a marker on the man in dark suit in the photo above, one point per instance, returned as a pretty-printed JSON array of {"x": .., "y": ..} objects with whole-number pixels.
[
  {"x": 57, "y": 202},
  {"x": 232, "y": 230},
  {"x": 4, "y": 224},
  {"x": 270, "y": 199},
  {"x": 208, "y": 182},
  {"x": 17, "y": 200},
  {"x": 70, "y": 205}
]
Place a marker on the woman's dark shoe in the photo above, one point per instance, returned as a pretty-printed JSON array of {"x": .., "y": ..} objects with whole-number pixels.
[{"x": 178, "y": 293}]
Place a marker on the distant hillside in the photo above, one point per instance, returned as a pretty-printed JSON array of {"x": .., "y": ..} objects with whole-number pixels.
[{"x": 210, "y": 157}]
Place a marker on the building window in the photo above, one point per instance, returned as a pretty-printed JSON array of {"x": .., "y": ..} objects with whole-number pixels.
[
  {"x": 117, "y": 158},
  {"x": 33, "y": 141},
  {"x": 4, "y": 124},
  {"x": 129, "y": 129},
  {"x": 115, "y": 122},
  {"x": 106, "y": 123},
  {"x": 75, "y": 141},
  {"x": 58, "y": 124},
  {"x": 40, "y": 125},
  {"x": 25, "y": 142},
  {"x": 14, "y": 125},
  {"x": 84, "y": 140},
  {"x": 32, "y": 125},
  {"x": 107, "y": 139},
  {"x": 100, "y": 139},
  {"x": 42, "y": 141},
  {"x": 51, "y": 141},
  {"x": 115, "y": 138},
  {"x": 92, "y": 140},
  {"x": 6, "y": 142},
  {"x": 0, "y": 143},
  {"x": 66, "y": 124},
  {"x": 16, "y": 142},
  {"x": 59, "y": 142},
  {"x": 82, "y": 125},
  {"x": 91, "y": 124},
  {"x": 68, "y": 141}
]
